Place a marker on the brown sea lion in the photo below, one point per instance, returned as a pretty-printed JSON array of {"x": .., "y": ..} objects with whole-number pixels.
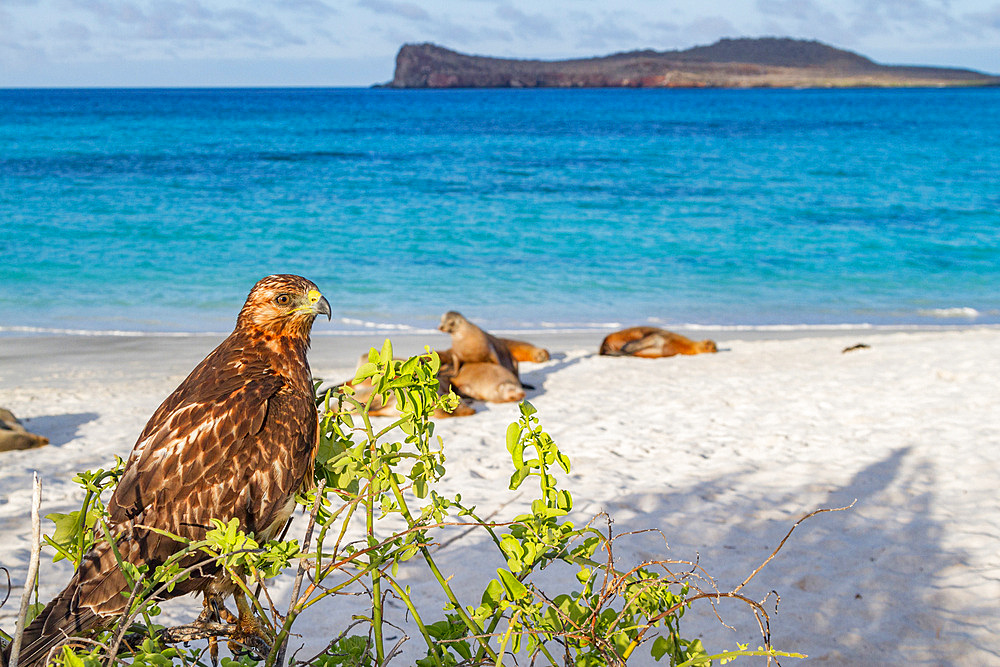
[
  {"x": 523, "y": 351},
  {"x": 449, "y": 368},
  {"x": 14, "y": 436},
  {"x": 470, "y": 344},
  {"x": 364, "y": 389},
  {"x": 652, "y": 343},
  {"x": 487, "y": 382}
]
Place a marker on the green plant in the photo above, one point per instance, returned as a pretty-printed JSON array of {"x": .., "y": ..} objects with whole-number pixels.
[{"x": 375, "y": 510}]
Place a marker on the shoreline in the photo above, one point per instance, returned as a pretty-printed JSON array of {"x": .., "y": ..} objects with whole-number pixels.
[
  {"x": 30, "y": 360},
  {"x": 17, "y": 331}
]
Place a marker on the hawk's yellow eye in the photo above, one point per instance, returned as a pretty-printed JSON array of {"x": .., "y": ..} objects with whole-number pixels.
[{"x": 283, "y": 300}]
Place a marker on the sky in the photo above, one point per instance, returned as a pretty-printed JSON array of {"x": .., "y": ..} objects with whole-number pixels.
[{"x": 47, "y": 43}]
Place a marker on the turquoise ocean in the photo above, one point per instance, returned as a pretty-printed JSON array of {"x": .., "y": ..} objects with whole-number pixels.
[{"x": 156, "y": 210}]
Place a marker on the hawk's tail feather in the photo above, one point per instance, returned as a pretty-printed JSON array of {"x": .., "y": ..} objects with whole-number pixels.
[
  {"x": 92, "y": 597},
  {"x": 56, "y": 622}
]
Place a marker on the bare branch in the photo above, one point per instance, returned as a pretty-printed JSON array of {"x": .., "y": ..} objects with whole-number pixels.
[
  {"x": 69, "y": 641},
  {"x": 329, "y": 645},
  {"x": 789, "y": 534},
  {"x": 198, "y": 630},
  {"x": 7, "y": 596},
  {"x": 303, "y": 566},
  {"x": 29, "y": 581},
  {"x": 125, "y": 620}
]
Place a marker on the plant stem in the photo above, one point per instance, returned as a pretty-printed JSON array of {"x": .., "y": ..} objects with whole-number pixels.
[
  {"x": 431, "y": 646},
  {"x": 506, "y": 637},
  {"x": 376, "y": 589},
  {"x": 442, "y": 581},
  {"x": 82, "y": 535},
  {"x": 369, "y": 503},
  {"x": 295, "y": 605},
  {"x": 545, "y": 652}
]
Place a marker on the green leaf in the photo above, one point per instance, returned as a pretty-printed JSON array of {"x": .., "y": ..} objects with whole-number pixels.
[
  {"x": 493, "y": 594},
  {"x": 513, "y": 437},
  {"x": 407, "y": 369},
  {"x": 563, "y": 461},
  {"x": 518, "y": 477},
  {"x": 364, "y": 372},
  {"x": 515, "y": 589},
  {"x": 564, "y": 501},
  {"x": 34, "y": 609},
  {"x": 621, "y": 642},
  {"x": 659, "y": 648},
  {"x": 70, "y": 658}
]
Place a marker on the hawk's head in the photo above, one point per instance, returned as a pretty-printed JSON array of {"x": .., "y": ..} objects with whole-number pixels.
[{"x": 283, "y": 305}]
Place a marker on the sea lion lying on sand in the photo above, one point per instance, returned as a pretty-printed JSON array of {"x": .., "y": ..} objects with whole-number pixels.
[
  {"x": 470, "y": 344},
  {"x": 487, "y": 382},
  {"x": 14, "y": 436},
  {"x": 364, "y": 389},
  {"x": 652, "y": 343},
  {"x": 523, "y": 351}
]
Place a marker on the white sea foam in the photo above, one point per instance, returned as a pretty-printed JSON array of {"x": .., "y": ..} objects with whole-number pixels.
[
  {"x": 781, "y": 327},
  {"x": 362, "y": 327},
  {"x": 100, "y": 332},
  {"x": 574, "y": 326},
  {"x": 376, "y": 326},
  {"x": 968, "y": 313}
]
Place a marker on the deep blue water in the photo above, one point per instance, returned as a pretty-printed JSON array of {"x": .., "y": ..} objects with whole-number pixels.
[{"x": 156, "y": 210}]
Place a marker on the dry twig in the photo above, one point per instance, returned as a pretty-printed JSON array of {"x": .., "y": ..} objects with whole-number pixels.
[{"x": 29, "y": 582}]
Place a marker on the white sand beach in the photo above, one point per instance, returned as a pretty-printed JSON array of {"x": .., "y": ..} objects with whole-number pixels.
[{"x": 721, "y": 452}]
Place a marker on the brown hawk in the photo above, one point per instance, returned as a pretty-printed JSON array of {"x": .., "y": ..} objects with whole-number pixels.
[{"x": 236, "y": 439}]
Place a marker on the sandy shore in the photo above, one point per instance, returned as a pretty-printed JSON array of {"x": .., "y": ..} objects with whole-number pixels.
[{"x": 720, "y": 452}]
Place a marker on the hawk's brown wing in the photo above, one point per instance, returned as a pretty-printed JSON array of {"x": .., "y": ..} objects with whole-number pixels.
[{"x": 209, "y": 455}]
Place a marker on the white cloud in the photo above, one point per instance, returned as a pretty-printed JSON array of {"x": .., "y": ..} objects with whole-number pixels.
[
  {"x": 988, "y": 18},
  {"x": 71, "y": 31},
  {"x": 604, "y": 31},
  {"x": 406, "y": 10},
  {"x": 527, "y": 25},
  {"x": 314, "y": 7},
  {"x": 51, "y": 32}
]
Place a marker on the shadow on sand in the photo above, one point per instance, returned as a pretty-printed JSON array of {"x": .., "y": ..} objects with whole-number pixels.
[
  {"x": 59, "y": 429},
  {"x": 875, "y": 570},
  {"x": 535, "y": 374}
]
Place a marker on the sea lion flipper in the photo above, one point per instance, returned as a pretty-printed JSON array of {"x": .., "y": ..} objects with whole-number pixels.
[{"x": 640, "y": 344}]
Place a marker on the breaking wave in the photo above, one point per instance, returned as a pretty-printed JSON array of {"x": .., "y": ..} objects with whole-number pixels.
[{"x": 943, "y": 313}]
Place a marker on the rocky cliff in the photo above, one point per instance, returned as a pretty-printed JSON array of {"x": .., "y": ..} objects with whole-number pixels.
[{"x": 729, "y": 63}]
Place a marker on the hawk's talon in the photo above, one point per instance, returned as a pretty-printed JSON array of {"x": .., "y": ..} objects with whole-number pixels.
[{"x": 252, "y": 636}]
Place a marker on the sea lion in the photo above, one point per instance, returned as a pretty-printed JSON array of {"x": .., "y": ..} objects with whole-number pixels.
[
  {"x": 652, "y": 343},
  {"x": 447, "y": 370},
  {"x": 470, "y": 344},
  {"x": 364, "y": 389},
  {"x": 487, "y": 382},
  {"x": 523, "y": 351},
  {"x": 14, "y": 436}
]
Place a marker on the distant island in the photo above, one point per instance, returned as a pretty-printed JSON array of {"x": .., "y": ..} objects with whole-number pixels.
[{"x": 769, "y": 62}]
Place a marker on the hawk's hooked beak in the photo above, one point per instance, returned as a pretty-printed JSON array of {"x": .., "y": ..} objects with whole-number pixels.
[{"x": 319, "y": 304}]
